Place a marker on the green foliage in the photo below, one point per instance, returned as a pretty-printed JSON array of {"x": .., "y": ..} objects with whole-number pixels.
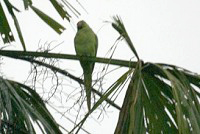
[
  {"x": 120, "y": 28},
  {"x": 4, "y": 27},
  {"x": 52, "y": 23},
  {"x": 160, "y": 98},
  {"x": 20, "y": 106},
  {"x": 6, "y": 31},
  {"x": 60, "y": 10}
]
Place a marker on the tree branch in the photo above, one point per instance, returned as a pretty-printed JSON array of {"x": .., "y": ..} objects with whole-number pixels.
[
  {"x": 15, "y": 54},
  {"x": 61, "y": 71}
]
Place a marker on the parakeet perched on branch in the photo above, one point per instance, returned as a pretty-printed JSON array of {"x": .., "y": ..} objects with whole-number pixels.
[{"x": 86, "y": 44}]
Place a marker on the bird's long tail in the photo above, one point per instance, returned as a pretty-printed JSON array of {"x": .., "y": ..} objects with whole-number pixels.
[{"x": 88, "y": 84}]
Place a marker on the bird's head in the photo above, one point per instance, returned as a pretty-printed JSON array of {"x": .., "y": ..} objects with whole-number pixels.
[{"x": 81, "y": 24}]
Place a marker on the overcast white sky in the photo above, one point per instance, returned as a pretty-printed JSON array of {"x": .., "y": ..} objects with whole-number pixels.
[
  {"x": 166, "y": 31},
  {"x": 162, "y": 31}
]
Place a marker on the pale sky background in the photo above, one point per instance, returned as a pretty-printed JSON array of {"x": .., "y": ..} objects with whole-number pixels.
[{"x": 166, "y": 31}]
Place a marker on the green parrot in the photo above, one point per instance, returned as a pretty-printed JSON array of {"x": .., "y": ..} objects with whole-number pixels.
[{"x": 86, "y": 44}]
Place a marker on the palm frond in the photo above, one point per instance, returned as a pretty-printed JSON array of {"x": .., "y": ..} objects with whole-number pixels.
[
  {"x": 27, "y": 3},
  {"x": 161, "y": 100},
  {"x": 60, "y": 10},
  {"x": 109, "y": 91},
  {"x": 6, "y": 31},
  {"x": 51, "y": 22},
  {"x": 21, "y": 107},
  {"x": 10, "y": 8},
  {"x": 120, "y": 28}
]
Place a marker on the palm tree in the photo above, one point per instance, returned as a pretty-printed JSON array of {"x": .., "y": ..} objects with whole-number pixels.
[{"x": 160, "y": 98}]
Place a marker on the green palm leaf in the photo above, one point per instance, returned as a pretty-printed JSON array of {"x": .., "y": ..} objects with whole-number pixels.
[
  {"x": 115, "y": 86},
  {"x": 160, "y": 99},
  {"x": 20, "y": 106},
  {"x": 51, "y": 22},
  {"x": 6, "y": 31},
  {"x": 10, "y": 8},
  {"x": 120, "y": 28},
  {"x": 5, "y": 28},
  {"x": 60, "y": 10}
]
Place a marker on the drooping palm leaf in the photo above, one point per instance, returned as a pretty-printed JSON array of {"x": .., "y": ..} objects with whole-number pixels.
[
  {"x": 71, "y": 8},
  {"x": 10, "y": 8},
  {"x": 27, "y": 3},
  {"x": 115, "y": 86},
  {"x": 51, "y": 22},
  {"x": 20, "y": 106},
  {"x": 5, "y": 28},
  {"x": 160, "y": 98},
  {"x": 6, "y": 32},
  {"x": 166, "y": 100},
  {"x": 60, "y": 10},
  {"x": 131, "y": 112}
]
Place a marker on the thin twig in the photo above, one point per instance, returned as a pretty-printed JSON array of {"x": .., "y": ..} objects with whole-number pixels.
[{"x": 63, "y": 72}]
